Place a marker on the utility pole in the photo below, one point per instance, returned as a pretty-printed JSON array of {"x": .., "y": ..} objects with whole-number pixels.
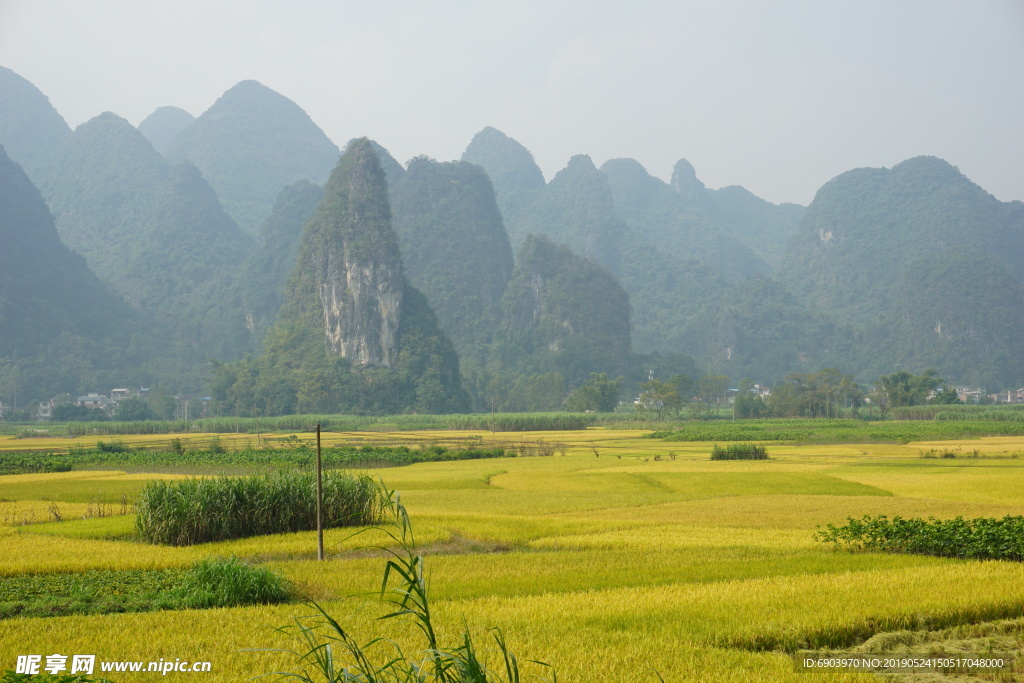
[{"x": 319, "y": 500}]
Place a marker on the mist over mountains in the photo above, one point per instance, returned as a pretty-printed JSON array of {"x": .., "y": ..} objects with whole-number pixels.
[{"x": 241, "y": 253}]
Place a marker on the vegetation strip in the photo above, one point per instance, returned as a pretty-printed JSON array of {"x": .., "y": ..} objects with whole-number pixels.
[
  {"x": 209, "y": 583},
  {"x": 984, "y": 538},
  {"x": 118, "y": 455},
  {"x": 501, "y": 422},
  {"x": 811, "y": 430}
]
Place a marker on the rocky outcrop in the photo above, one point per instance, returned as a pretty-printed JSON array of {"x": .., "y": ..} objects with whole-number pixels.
[
  {"x": 353, "y": 334},
  {"x": 349, "y": 274},
  {"x": 362, "y": 307}
]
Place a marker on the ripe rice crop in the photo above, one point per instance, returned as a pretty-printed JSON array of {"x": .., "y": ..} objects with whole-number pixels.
[
  {"x": 606, "y": 566},
  {"x": 216, "y": 509}
]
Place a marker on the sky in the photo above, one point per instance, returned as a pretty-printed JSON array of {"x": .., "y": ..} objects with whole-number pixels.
[{"x": 778, "y": 96}]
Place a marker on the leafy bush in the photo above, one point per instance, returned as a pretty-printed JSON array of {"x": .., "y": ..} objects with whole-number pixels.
[
  {"x": 983, "y": 538},
  {"x": 25, "y": 463},
  {"x": 739, "y": 451},
  {"x": 217, "y": 509}
]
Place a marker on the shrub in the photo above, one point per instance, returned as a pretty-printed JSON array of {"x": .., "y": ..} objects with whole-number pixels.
[
  {"x": 984, "y": 538},
  {"x": 32, "y": 463},
  {"x": 194, "y": 511},
  {"x": 739, "y": 451}
]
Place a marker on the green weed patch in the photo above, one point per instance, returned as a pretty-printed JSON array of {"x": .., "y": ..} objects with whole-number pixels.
[{"x": 210, "y": 583}]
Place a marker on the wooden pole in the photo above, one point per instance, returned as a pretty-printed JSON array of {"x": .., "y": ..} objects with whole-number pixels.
[{"x": 319, "y": 500}]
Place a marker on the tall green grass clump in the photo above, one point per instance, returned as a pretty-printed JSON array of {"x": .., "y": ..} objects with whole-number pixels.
[
  {"x": 226, "y": 582},
  {"x": 194, "y": 511},
  {"x": 739, "y": 451}
]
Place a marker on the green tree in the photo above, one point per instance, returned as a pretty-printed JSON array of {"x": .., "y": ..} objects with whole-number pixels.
[
  {"x": 133, "y": 409},
  {"x": 748, "y": 404},
  {"x": 947, "y": 396},
  {"x": 659, "y": 398},
  {"x": 903, "y": 389},
  {"x": 598, "y": 394},
  {"x": 710, "y": 394}
]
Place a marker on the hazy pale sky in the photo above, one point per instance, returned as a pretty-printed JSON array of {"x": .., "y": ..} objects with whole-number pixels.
[{"x": 778, "y": 96}]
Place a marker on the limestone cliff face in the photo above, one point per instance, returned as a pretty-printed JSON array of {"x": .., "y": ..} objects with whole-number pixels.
[
  {"x": 362, "y": 304},
  {"x": 349, "y": 274},
  {"x": 353, "y": 334}
]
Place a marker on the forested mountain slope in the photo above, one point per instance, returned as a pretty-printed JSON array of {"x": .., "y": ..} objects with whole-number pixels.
[
  {"x": 926, "y": 264},
  {"x": 352, "y": 335},
  {"x": 563, "y": 313},
  {"x": 31, "y": 130},
  {"x": 155, "y": 231},
  {"x": 59, "y": 324},
  {"x": 455, "y": 248}
]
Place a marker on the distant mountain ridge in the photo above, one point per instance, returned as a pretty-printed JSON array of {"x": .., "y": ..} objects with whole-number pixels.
[
  {"x": 926, "y": 264},
  {"x": 51, "y": 305},
  {"x": 250, "y": 144},
  {"x": 31, "y": 130},
  {"x": 908, "y": 267}
]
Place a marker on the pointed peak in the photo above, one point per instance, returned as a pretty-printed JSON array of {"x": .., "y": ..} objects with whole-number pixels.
[
  {"x": 625, "y": 166},
  {"x": 246, "y": 97},
  {"x": 490, "y": 132},
  {"x": 362, "y": 149},
  {"x": 927, "y": 165},
  {"x": 169, "y": 111},
  {"x": 30, "y": 128},
  {"x": 509, "y": 164},
  {"x": 685, "y": 181},
  {"x": 107, "y": 118},
  {"x": 108, "y": 125},
  {"x": 164, "y": 124},
  {"x": 249, "y": 87},
  {"x": 581, "y": 162}
]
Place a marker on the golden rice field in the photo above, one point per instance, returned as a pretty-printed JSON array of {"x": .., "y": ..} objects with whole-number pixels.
[{"x": 612, "y": 565}]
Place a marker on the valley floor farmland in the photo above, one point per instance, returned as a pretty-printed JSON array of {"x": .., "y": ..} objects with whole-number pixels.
[{"x": 619, "y": 558}]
